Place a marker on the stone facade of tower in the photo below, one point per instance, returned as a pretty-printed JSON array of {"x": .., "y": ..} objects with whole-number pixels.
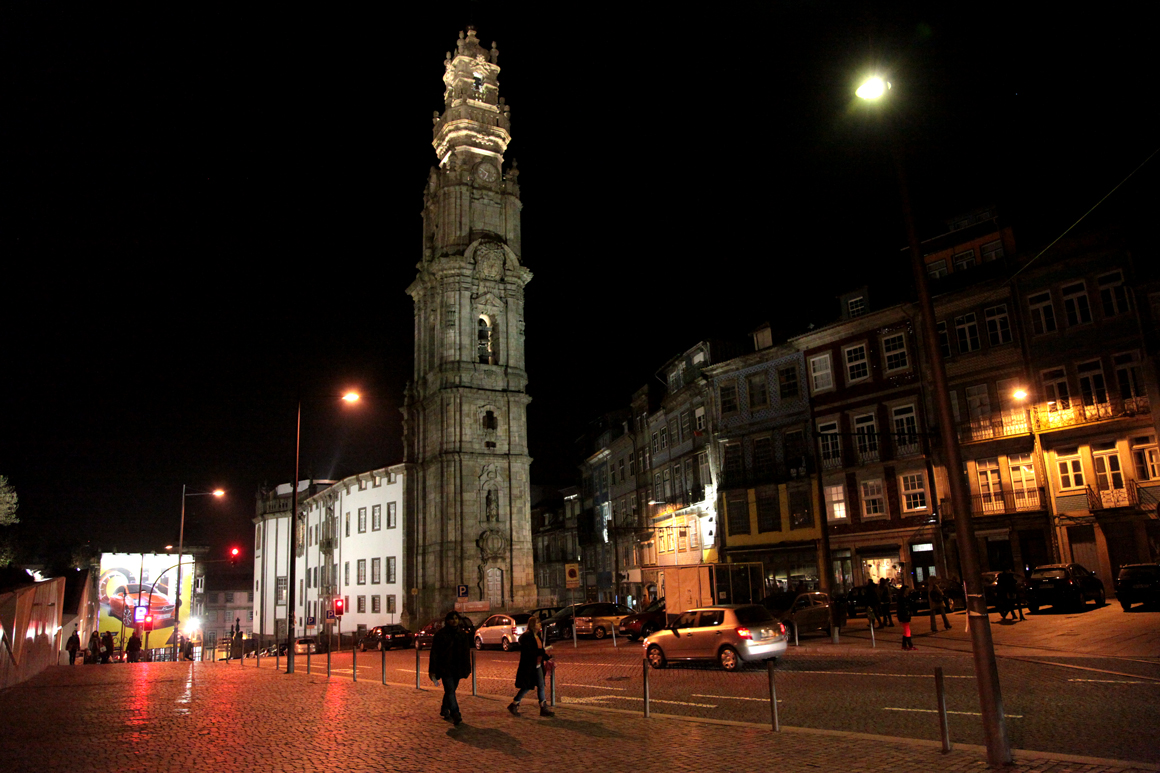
[{"x": 468, "y": 507}]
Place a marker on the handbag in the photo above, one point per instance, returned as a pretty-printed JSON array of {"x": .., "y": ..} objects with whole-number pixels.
[{"x": 548, "y": 665}]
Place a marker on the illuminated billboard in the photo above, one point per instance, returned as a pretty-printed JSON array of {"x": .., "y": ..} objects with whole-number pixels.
[{"x": 133, "y": 585}]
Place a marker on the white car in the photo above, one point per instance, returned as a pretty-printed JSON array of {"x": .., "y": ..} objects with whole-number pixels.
[
  {"x": 503, "y": 631},
  {"x": 731, "y": 634},
  {"x": 305, "y": 645}
]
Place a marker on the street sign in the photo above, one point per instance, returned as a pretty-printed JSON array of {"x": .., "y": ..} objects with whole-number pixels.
[
  {"x": 310, "y": 620},
  {"x": 330, "y": 614},
  {"x": 460, "y": 591},
  {"x": 572, "y": 575}
]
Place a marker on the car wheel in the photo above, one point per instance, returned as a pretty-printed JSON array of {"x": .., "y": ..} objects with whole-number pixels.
[
  {"x": 600, "y": 633},
  {"x": 566, "y": 633},
  {"x": 729, "y": 659},
  {"x": 656, "y": 658},
  {"x": 505, "y": 645},
  {"x": 362, "y": 646},
  {"x": 647, "y": 631},
  {"x": 631, "y": 637},
  {"x": 478, "y": 643}
]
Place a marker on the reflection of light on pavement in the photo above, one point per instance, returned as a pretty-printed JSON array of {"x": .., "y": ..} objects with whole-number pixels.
[
  {"x": 964, "y": 713},
  {"x": 735, "y": 698},
  {"x": 601, "y": 698}
]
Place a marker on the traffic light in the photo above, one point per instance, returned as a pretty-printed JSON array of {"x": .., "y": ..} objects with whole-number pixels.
[
  {"x": 339, "y": 607},
  {"x": 234, "y": 556},
  {"x": 147, "y": 623}
]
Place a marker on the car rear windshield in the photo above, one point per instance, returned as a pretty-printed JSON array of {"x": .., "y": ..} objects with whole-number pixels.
[
  {"x": 779, "y": 602},
  {"x": 752, "y": 615},
  {"x": 1140, "y": 573},
  {"x": 521, "y": 619},
  {"x": 656, "y": 606},
  {"x": 1049, "y": 574}
]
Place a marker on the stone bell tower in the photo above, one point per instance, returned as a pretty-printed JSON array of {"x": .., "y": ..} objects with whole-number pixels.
[{"x": 465, "y": 425}]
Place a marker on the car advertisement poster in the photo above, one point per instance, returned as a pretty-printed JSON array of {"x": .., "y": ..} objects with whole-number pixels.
[{"x": 135, "y": 585}]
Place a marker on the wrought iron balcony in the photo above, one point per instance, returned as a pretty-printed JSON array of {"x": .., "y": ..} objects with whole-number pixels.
[
  {"x": 1055, "y": 416},
  {"x": 1109, "y": 498},
  {"x": 997, "y": 425},
  {"x": 1003, "y": 503}
]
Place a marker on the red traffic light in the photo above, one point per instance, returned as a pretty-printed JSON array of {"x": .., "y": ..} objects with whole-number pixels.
[
  {"x": 147, "y": 623},
  {"x": 234, "y": 552},
  {"x": 339, "y": 607}
]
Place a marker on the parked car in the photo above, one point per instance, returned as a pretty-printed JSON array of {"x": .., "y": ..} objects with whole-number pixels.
[
  {"x": 1138, "y": 584},
  {"x": 386, "y": 637},
  {"x": 642, "y": 624},
  {"x": 426, "y": 634},
  {"x": 544, "y": 612},
  {"x": 731, "y": 634},
  {"x": 857, "y": 600},
  {"x": 305, "y": 645},
  {"x": 600, "y": 620},
  {"x": 991, "y": 588},
  {"x": 559, "y": 625},
  {"x": 501, "y": 630},
  {"x": 807, "y": 612},
  {"x": 1063, "y": 586},
  {"x": 953, "y": 597}
]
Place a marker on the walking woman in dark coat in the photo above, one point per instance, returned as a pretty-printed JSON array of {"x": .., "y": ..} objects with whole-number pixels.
[
  {"x": 530, "y": 674},
  {"x": 451, "y": 661}
]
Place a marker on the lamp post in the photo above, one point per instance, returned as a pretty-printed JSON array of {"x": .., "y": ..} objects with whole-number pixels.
[
  {"x": 180, "y": 557},
  {"x": 349, "y": 397},
  {"x": 986, "y": 670}
]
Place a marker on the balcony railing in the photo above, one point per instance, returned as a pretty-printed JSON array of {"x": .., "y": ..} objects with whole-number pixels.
[
  {"x": 1108, "y": 498},
  {"x": 1003, "y": 503},
  {"x": 1051, "y": 417},
  {"x": 907, "y": 446},
  {"x": 867, "y": 455},
  {"x": 997, "y": 425}
]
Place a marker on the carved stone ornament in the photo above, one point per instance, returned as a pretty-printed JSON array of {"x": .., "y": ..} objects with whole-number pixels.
[
  {"x": 489, "y": 260},
  {"x": 492, "y": 545}
]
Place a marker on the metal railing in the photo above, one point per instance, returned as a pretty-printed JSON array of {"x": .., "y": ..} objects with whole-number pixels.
[
  {"x": 1055, "y": 416},
  {"x": 997, "y": 425},
  {"x": 1003, "y": 503}
]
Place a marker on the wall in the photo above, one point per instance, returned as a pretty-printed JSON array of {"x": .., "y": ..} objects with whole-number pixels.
[{"x": 30, "y": 630}]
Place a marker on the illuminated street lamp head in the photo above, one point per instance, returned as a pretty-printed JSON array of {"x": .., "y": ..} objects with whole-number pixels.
[
  {"x": 1020, "y": 394},
  {"x": 217, "y": 492},
  {"x": 873, "y": 88},
  {"x": 351, "y": 397}
]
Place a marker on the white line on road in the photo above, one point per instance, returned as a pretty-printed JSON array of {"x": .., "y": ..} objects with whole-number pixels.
[
  {"x": 1109, "y": 681},
  {"x": 593, "y": 686},
  {"x": 965, "y": 713},
  {"x": 734, "y": 698},
  {"x": 871, "y": 673},
  {"x": 599, "y": 698}
]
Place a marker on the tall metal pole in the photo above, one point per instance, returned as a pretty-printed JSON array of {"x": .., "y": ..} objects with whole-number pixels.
[
  {"x": 180, "y": 547},
  {"x": 293, "y": 539},
  {"x": 986, "y": 671}
]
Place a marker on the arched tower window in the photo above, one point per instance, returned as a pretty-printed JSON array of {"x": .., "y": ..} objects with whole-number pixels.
[
  {"x": 486, "y": 347},
  {"x": 489, "y": 420}
]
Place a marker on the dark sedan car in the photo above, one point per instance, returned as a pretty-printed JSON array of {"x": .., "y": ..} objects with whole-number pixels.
[
  {"x": 385, "y": 637},
  {"x": 559, "y": 625},
  {"x": 1063, "y": 586},
  {"x": 642, "y": 624},
  {"x": 424, "y": 635},
  {"x": 1138, "y": 584},
  {"x": 805, "y": 612}
]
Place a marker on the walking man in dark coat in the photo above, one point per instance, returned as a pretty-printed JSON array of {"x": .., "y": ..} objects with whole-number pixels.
[
  {"x": 107, "y": 644},
  {"x": 73, "y": 647},
  {"x": 451, "y": 661},
  {"x": 884, "y": 599}
]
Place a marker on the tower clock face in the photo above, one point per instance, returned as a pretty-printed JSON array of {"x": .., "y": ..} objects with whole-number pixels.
[{"x": 486, "y": 172}]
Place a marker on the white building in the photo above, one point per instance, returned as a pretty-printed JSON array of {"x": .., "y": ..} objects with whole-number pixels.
[{"x": 349, "y": 544}]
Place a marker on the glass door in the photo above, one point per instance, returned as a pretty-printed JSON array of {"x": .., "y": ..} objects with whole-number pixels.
[{"x": 1110, "y": 479}]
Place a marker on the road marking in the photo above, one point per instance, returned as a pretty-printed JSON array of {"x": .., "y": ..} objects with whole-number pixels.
[
  {"x": 872, "y": 673},
  {"x": 602, "y": 698},
  {"x": 1109, "y": 681},
  {"x": 965, "y": 713},
  {"x": 593, "y": 686},
  {"x": 734, "y": 698}
]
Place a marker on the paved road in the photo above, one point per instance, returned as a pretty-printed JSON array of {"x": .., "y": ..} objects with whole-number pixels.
[{"x": 1076, "y": 700}]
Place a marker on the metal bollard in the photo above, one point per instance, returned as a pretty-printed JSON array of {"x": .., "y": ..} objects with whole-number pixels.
[
  {"x": 277, "y": 658},
  {"x": 795, "y": 635},
  {"x": 354, "y": 663},
  {"x": 384, "y": 653},
  {"x": 940, "y": 692},
  {"x": 614, "y": 644},
  {"x": 417, "y": 684},
  {"x": 553, "y": 687},
  {"x": 258, "y": 658},
  {"x": 474, "y": 690},
  {"x": 327, "y": 661},
  {"x": 873, "y": 643},
  {"x": 769, "y": 664},
  {"x": 308, "y": 648},
  {"x": 645, "y": 662}
]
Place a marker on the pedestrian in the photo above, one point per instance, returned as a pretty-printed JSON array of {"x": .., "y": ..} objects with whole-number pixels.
[
  {"x": 884, "y": 599},
  {"x": 904, "y": 618},
  {"x": 73, "y": 646},
  {"x": 134, "y": 648},
  {"x": 938, "y": 607},
  {"x": 872, "y": 603},
  {"x": 188, "y": 646},
  {"x": 107, "y": 644},
  {"x": 1017, "y": 599},
  {"x": 94, "y": 647},
  {"x": 451, "y": 661},
  {"x": 530, "y": 673},
  {"x": 1005, "y": 590}
]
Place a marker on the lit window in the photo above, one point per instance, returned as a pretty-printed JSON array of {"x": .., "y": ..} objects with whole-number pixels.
[
  {"x": 873, "y": 499},
  {"x": 836, "y": 502},
  {"x": 914, "y": 492},
  {"x": 486, "y": 345}
]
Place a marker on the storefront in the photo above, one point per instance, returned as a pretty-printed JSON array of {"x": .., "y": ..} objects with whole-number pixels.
[
  {"x": 881, "y": 561},
  {"x": 922, "y": 562},
  {"x": 786, "y": 569}
]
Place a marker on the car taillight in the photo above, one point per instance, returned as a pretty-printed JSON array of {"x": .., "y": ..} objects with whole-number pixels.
[
  {"x": 782, "y": 627},
  {"x": 743, "y": 633}
]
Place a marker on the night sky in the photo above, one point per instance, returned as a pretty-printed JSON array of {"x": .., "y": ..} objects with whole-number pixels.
[{"x": 209, "y": 210}]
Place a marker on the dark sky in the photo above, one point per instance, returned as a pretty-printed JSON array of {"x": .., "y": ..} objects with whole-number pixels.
[{"x": 208, "y": 209}]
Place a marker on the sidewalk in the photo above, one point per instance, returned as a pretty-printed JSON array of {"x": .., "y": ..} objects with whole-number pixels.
[{"x": 180, "y": 716}]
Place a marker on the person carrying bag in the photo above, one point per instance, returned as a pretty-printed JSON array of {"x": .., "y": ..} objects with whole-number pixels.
[{"x": 534, "y": 663}]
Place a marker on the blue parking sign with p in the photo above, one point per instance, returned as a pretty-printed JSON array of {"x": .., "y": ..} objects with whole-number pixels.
[{"x": 461, "y": 591}]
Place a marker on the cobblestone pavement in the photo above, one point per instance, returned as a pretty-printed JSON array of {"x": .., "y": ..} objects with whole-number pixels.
[{"x": 217, "y": 716}]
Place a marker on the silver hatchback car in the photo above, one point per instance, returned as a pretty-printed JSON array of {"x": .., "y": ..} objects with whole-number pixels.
[{"x": 731, "y": 634}]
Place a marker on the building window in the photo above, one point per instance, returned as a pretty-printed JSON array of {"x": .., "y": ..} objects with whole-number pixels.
[
  {"x": 699, "y": 419},
  {"x": 787, "y": 379},
  {"x": 1042, "y": 314},
  {"x": 831, "y": 444},
  {"x": 728, "y": 399},
  {"x": 1128, "y": 375},
  {"x": 686, "y": 427},
  {"x": 905, "y": 429},
  {"x": 656, "y": 444},
  {"x": 856, "y": 306},
  {"x": 737, "y": 503},
  {"x": 346, "y": 573},
  {"x": 758, "y": 391},
  {"x": 486, "y": 345},
  {"x": 763, "y": 457},
  {"x": 964, "y": 260},
  {"x": 1055, "y": 390},
  {"x": 362, "y": 520},
  {"x": 894, "y": 348},
  {"x": 944, "y": 340},
  {"x": 836, "y": 502},
  {"x": 914, "y": 492},
  {"x": 376, "y": 517},
  {"x": 821, "y": 373},
  {"x": 768, "y": 510},
  {"x": 937, "y": 269},
  {"x": 967, "y": 330},
  {"x": 391, "y": 604},
  {"x": 376, "y": 604},
  {"x": 992, "y": 251},
  {"x": 873, "y": 499},
  {"x": 801, "y": 514},
  {"x": 391, "y": 578},
  {"x": 280, "y": 590},
  {"x": 362, "y": 571},
  {"x": 990, "y": 486},
  {"x": 1113, "y": 294},
  {"x": 362, "y": 603},
  {"x": 866, "y": 437},
  {"x": 664, "y": 438},
  {"x": 391, "y": 515},
  {"x": 1023, "y": 482},
  {"x": 703, "y": 463},
  {"x": 794, "y": 445},
  {"x": 1075, "y": 304},
  {"x": 1070, "y": 468},
  {"x": 857, "y": 366},
  {"x": 1146, "y": 457},
  {"x": 376, "y": 571},
  {"x": 490, "y": 422},
  {"x": 998, "y": 325},
  {"x": 620, "y": 468}
]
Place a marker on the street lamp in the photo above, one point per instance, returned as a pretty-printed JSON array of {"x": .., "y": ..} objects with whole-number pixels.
[
  {"x": 349, "y": 397},
  {"x": 986, "y": 670},
  {"x": 217, "y": 493}
]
